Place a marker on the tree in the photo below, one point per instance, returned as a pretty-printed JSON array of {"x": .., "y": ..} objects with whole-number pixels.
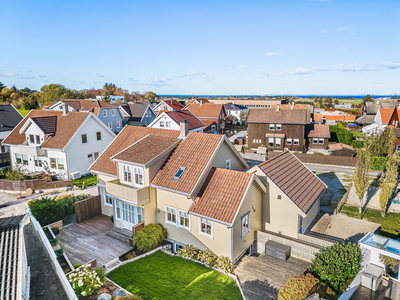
[
  {"x": 360, "y": 177},
  {"x": 2, "y": 86},
  {"x": 150, "y": 96},
  {"x": 109, "y": 86},
  {"x": 328, "y": 101},
  {"x": 106, "y": 97},
  {"x": 336, "y": 101},
  {"x": 368, "y": 98}
]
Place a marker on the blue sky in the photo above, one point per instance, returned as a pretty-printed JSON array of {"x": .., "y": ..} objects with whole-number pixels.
[{"x": 204, "y": 47}]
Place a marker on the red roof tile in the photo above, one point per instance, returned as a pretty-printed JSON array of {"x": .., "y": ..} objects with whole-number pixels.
[
  {"x": 206, "y": 110},
  {"x": 180, "y": 115},
  {"x": 386, "y": 114},
  {"x": 221, "y": 194},
  {"x": 283, "y": 116},
  {"x": 318, "y": 130}
]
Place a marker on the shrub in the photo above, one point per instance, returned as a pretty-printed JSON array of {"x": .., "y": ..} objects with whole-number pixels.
[
  {"x": 129, "y": 297},
  {"x": 224, "y": 264},
  {"x": 389, "y": 262},
  {"x": 59, "y": 252},
  {"x": 68, "y": 201},
  {"x": 378, "y": 163},
  {"x": 317, "y": 153},
  {"x": 15, "y": 174},
  {"x": 76, "y": 266},
  {"x": 53, "y": 241},
  {"x": 391, "y": 223},
  {"x": 337, "y": 265},
  {"x": 46, "y": 210},
  {"x": 189, "y": 251},
  {"x": 130, "y": 255},
  {"x": 207, "y": 257},
  {"x": 357, "y": 144},
  {"x": 149, "y": 237},
  {"x": 298, "y": 288},
  {"x": 85, "y": 282}
]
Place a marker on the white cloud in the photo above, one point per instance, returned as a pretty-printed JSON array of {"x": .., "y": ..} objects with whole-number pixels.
[
  {"x": 343, "y": 28},
  {"x": 272, "y": 54},
  {"x": 356, "y": 67},
  {"x": 158, "y": 82},
  {"x": 298, "y": 71},
  {"x": 132, "y": 79},
  {"x": 390, "y": 65},
  {"x": 242, "y": 67},
  {"x": 28, "y": 77},
  {"x": 323, "y": 31},
  {"x": 273, "y": 74},
  {"x": 10, "y": 75},
  {"x": 205, "y": 76}
]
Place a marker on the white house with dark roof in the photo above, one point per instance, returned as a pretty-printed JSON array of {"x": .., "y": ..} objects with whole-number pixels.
[
  {"x": 65, "y": 144},
  {"x": 137, "y": 113},
  {"x": 9, "y": 118},
  {"x": 172, "y": 120}
]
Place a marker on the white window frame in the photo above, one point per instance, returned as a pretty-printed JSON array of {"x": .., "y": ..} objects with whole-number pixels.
[
  {"x": 55, "y": 159},
  {"x": 113, "y": 112},
  {"x": 167, "y": 124},
  {"x": 18, "y": 156},
  {"x": 162, "y": 124},
  {"x": 108, "y": 203},
  {"x": 315, "y": 140},
  {"x": 139, "y": 173},
  {"x": 211, "y": 235},
  {"x": 288, "y": 141},
  {"x": 213, "y": 127},
  {"x": 62, "y": 164},
  {"x": 104, "y": 113},
  {"x": 271, "y": 126},
  {"x": 271, "y": 141},
  {"x": 321, "y": 141},
  {"x": 127, "y": 169},
  {"x": 110, "y": 125},
  {"x": 37, "y": 139},
  {"x": 245, "y": 219},
  {"x": 31, "y": 139},
  {"x": 97, "y": 138},
  {"x": 228, "y": 164},
  {"x": 279, "y": 127},
  {"x": 84, "y": 134},
  {"x": 90, "y": 157},
  {"x": 177, "y": 213},
  {"x": 118, "y": 124},
  {"x": 185, "y": 216},
  {"x": 174, "y": 212},
  {"x": 278, "y": 143},
  {"x": 296, "y": 142}
]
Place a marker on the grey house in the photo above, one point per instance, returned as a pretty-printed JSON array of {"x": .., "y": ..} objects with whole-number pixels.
[
  {"x": 137, "y": 113},
  {"x": 9, "y": 118}
]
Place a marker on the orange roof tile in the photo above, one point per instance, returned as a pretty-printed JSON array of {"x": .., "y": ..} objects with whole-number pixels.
[
  {"x": 386, "y": 114},
  {"x": 66, "y": 126},
  {"x": 178, "y": 116},
  {"x": 221, "y": 194},
  {"x": 317, "y": 117},
  {"x": 206, "y": 110},
  {"x": 340, "y": 146}
]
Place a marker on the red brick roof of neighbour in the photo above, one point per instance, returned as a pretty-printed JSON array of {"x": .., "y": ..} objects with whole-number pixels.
[
  {"x": 83, "y": 105},
  {"x": 66, "y": 126},
  {"x": 386, "y": 114},
  {"x": 128, "y": 136},
  {"x": 340, "y": 146},
  {"x": 301, "y": 185},
  {"x": 178, "y": 116},
  {"x": 317, "y": 117},
  {"x": 175, "y": 105},
  {"x": 283, "y": 116},
  {"x": 221, "y": 194},
  {"x": 318, "y": 130},
  {"x": 193, "y": 154},
  {"x": 206, "y": 110},
  {"x": 146, "y": 149},
  {"x": 340, "y": 118}
]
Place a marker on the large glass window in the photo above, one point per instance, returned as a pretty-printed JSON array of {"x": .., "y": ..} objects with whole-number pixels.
[
  {"x": 171, "y": 215},
  {"x": 60, "y": 163},
  {"x": 138, "y": 176},
  {"x": 205, "y": 226},
  {"x": 18, "y": 158},
  {"x": 245, "y": 224},
  {"x": 127, "y": 173}
]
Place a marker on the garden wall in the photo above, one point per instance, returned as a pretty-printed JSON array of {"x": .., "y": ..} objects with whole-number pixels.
[
  {"x": 34, "y": 184},
  {"x": 88, "y": 208},
  {"x": 321, "y": 159}
]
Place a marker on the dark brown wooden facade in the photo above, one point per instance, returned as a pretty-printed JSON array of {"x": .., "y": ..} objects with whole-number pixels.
[
  {"x": 343, "y": 152},
  {"x": 317, "y": 143},
  {"x": 290, "y": 136}
]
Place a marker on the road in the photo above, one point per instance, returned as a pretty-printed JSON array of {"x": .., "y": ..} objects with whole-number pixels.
[{"x": 322, "y": 168}]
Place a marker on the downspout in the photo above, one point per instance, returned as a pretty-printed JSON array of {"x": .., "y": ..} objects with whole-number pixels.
[{"x": 67, "y": 162}]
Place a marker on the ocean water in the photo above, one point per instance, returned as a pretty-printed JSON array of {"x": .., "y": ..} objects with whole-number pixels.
[{"x": 302, "y": 96}]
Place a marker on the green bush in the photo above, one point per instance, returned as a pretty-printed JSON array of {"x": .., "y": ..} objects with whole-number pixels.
[
  {"x": 357, "y": 144},
  {"x": 391, "y": 223},
  {"x": 340, "y": 134},
  {"x": 149, "y": 237},
  {"x": 189, "y": 251},
  {"x": 15, "y": 174},
  {"x": 85, "y": 282},
  {"x": 300, "y": 287},
  {"x": 378, "y": 163},
  {"x": 46, "y": 210},
  {"x": 224, "y": 264},
  {"x": 53, "y": 242},
  {"x": 76, "y": 266},
  {"x": 68, "y": 201},
  {"x": 337, "y": 265},
  {"x": 207, "y": 257},
  {"x": 59, "y": 252}
]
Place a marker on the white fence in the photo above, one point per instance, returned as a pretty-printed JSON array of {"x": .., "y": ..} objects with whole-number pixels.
[{"x": 56, "y": 266}]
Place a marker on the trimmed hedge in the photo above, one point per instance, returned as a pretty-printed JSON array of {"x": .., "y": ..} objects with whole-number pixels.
[
  {"x": 340, "y": 134},
  {"x": 391, "y": 223},
  {"x": 149, "y": 237},
  {"x": 47, "y": 211}
]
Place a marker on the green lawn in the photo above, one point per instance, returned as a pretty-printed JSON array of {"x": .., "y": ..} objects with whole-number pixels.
[
  {"x": 24, "y": 112},
  {"x": 367, "y": 214},
  {"x": 162, "y": 276},
  {"x": 89, "y": 181}
]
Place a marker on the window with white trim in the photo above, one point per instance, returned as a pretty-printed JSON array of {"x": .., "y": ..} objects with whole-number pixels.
[
  {"x": 118, "y": 209},
  {"x": 179, "y": 218},
  {"x": 245, "y": 224},
  {"x": 168, "y": 124},
  {"x": 288, "y": 141},
  {"x": 90, "y": 157},
  {"x": 256, "y": 141},
  {"x": 139, "y": 212},
  {"x": 84, "y": 138},
  {"x": 110, "y": 125},
  {"x": 206, "y": 227},
  {"x": 37, "y": 139},
  {"x": 162, "y": 124},
  {"x": 127, "y": 174},
  {"x": 170, "y": 215},
  {"x": 18, "y": 158},
  {"x": 228, "y": 164},
  {"x": 31, "y": 139},
  {"x": 277, "y": 142},
  {"x": 271, "y": 126},
  {"x": 315, "y": 141},
  {"x": 53, "y": 163},
  {"x": 108, "y": 201},
  {"x": 118, "y": 124},
  {"x": 321, "y": 141},
  {"x": 213, "y": 127},
  {"x": 98, "y": 135},
  {"x": 138, "y": 175},
  {"x": 184, "y": 220},
  {"x": 278, "y": 126},
  {"x": 113, "y": 112},
  {"x": 270, "y": 142},
  {"x": 24, "y": 159},
  {"x": 296, "y": 142},
  {"x": 104, "y": 113},
  {"x": 60, "y": 163}
]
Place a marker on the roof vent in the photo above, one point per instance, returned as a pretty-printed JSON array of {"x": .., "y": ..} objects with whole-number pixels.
[{"x": 278, "y": 107}]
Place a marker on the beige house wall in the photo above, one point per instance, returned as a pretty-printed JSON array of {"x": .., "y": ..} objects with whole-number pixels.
[
  {"x": 225, "y": 153},
  {"x": 253, "y": 198},
  {"x": 310, "y": 215},
  {"x": 150, "y": 208},
  {"x": 102, "y": 179}
]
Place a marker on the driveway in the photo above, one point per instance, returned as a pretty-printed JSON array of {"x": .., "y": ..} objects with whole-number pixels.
[{"x": 261, "y": 277}]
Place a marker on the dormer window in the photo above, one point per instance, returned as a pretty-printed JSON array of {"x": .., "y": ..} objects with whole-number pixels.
[
  {"x": 38, "y": 139},
  {"x": 31, "y": 138},
  {"x": 179, "y": 173}
]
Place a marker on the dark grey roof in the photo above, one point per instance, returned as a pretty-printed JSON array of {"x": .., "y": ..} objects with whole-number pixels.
[
  {"x": 9, "y": 258},
  {"x": 135, "y": 110},
  {"x": 232, "y": 106},
  {"x": 371, "y": 108},
  {"x": 366, "y": 119},
  {"x": 9, "y": 117},
  {"x": 47, "y": 124},
  {"x": 294, "y": 179}
]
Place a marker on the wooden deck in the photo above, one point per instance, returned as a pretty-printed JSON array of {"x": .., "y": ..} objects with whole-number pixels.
[
  {"x": 392, "y": 292},
  {"x": 262, "y": 277},
  {"x": 87, "y": 240}
]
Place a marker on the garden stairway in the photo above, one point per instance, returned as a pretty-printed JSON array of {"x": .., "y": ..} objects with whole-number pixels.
[{"x": 121, "y": 234}]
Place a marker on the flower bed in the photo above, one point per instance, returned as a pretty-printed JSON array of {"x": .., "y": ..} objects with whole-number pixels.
[{"x": 86, "y": 282}]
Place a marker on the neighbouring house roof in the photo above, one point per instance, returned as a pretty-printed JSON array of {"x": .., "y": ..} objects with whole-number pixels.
[
  {"x": 193, "y": 154},
  {"x": 283, "y": 116},
  {"x": 10, "y": 260},
  {"x": 301, "y": 185},
  {"x": 232, "y": 106},
  {"x": 202, "y": 100},
  {"x": 146, "y": 149},
  {"x": 91, "y": 105},
  {"x": 9, "y": 117},
  {"x": 206, "y": 110},
  {"x": 208, "y": 124},
  {"x": 340, "y": 146},
  {"x": 135, "y": 109},
  {"x": 365, "y": 119},
  {"x": 174, "y": 104},
  {"x": 65, "y": 127},
  {"x": 340, "y": 118},
  {"x": 178, "y": 116},
  {"x": 371, "y": 108},
  {"x": 317, "y": 117},
  {"x": 318, "y": 130},
  {"x": 128, "y": 136},
  {"x": 386, "y": 114},
  {"x": 221, "y": 194}
]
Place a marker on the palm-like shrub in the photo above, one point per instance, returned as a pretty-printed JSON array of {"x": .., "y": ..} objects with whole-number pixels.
[{"x": 149, "y": 237}]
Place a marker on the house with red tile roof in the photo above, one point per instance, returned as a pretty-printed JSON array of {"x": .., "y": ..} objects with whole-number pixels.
[
  {"x": 170, "y": 105},
  {"x": 172, "y": 120},
  {"x": 64, "y": 143},
  {"x": 293, "y": 198},
  {"x": 381, "y": 120},
  {"x": 212, "y": 115},
  {"x": 108, "y": 113},
  {"x": 192, "y": 183}
]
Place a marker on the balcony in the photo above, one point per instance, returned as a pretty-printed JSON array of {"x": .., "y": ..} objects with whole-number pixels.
[{"x": 126, "y": 192}]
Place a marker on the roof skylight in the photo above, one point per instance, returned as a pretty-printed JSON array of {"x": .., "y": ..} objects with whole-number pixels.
[{"x": 179, "y": 173}]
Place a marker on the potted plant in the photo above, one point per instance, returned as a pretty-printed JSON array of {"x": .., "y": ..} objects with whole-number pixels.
[
  {"x": 390, "y": 263},
  {"x": 56, "y": 230},
  {"x": 112, "y": 218}
]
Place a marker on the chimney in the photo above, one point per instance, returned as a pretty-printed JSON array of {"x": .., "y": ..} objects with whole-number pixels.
[
  {"x": 233, "y": 102},
  {"x": 65, "y": 109},
  {"x": 377, "y": 101},
  {"x": 135, "y": 100},
  {"x": 172, "y": 101},
  {"x": 278, "y": 107},
  {"x": 184, "y": 125},
  {"x": 201, "y": 102},
  {"x": 292, "y": 104}
]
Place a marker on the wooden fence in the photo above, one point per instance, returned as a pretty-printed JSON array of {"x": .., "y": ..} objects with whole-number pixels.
[
  {"x": 34, "y": 184},
  {"x": 87, "y": 208},
  {"x": 321, "y": 159}
]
